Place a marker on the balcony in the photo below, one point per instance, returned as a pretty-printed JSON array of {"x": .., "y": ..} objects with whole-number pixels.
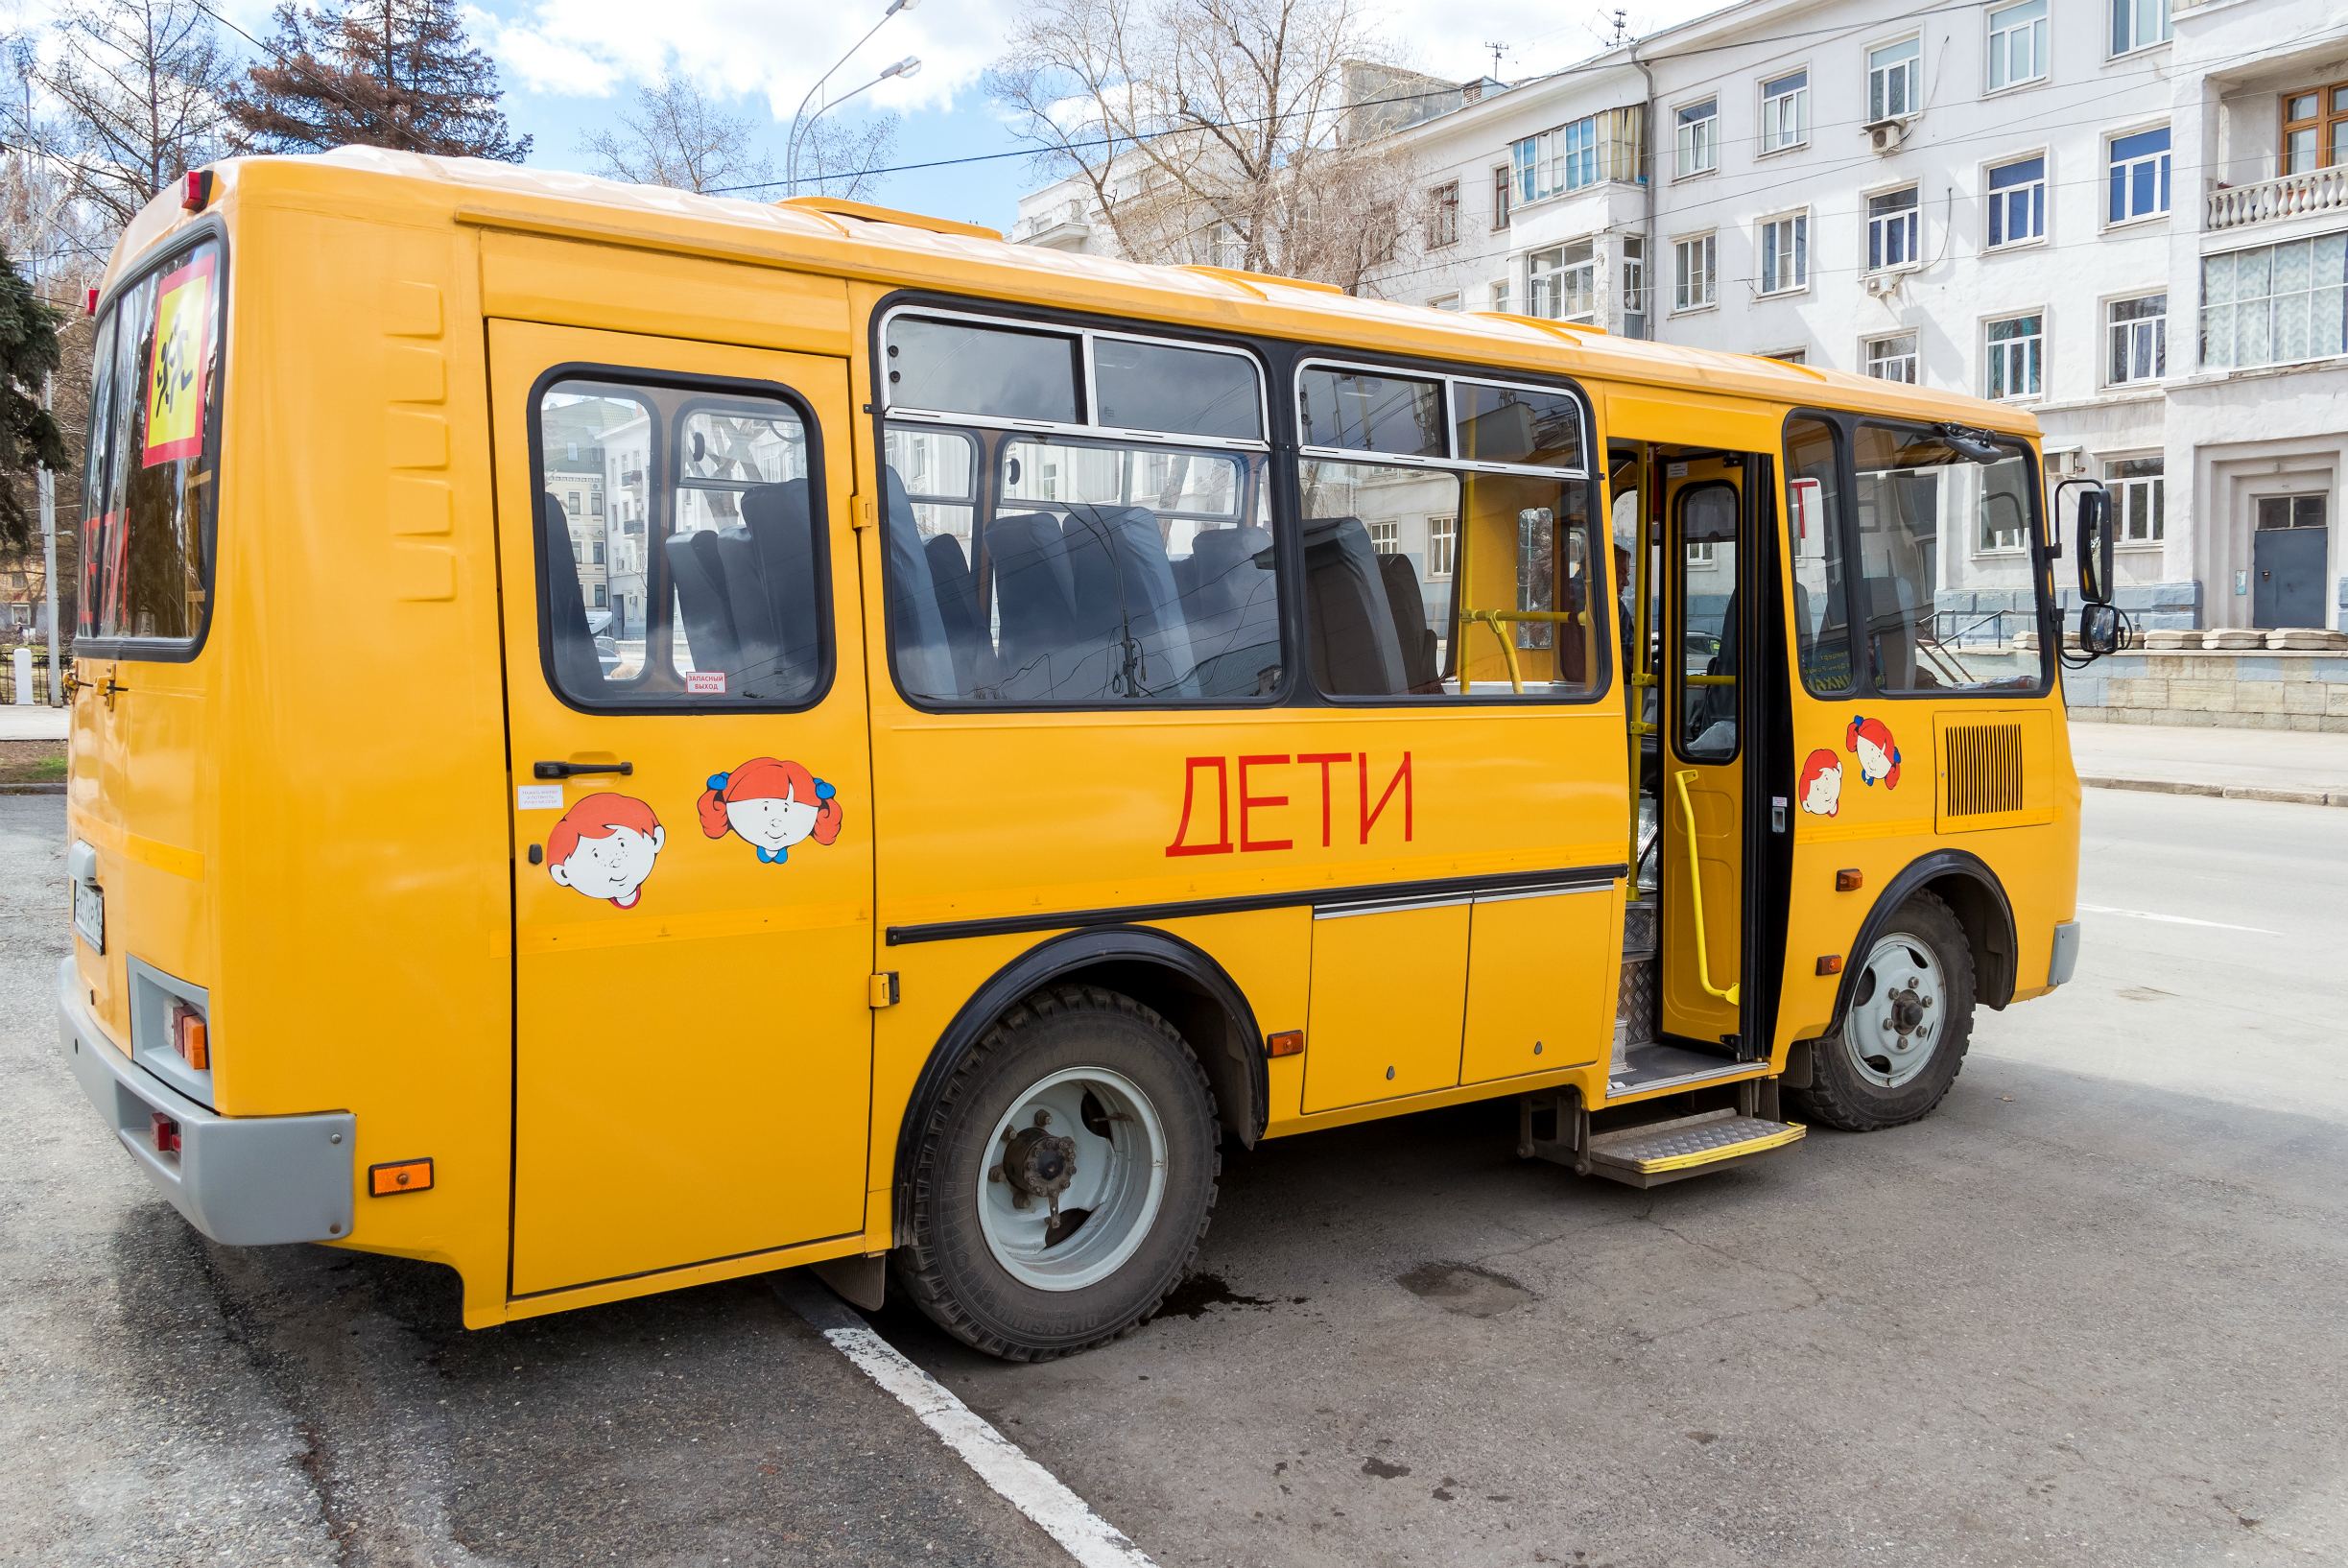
[
  {"x": 2272, "y": 200},
  {"x": 1063, "y": 225}
]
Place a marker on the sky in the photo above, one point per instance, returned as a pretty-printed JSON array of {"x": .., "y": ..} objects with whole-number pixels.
[{"x": 570, "y": 65}]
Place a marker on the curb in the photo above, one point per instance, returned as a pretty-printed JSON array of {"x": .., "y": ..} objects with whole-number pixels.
[
  {"x": 32, "y": 788},
  {"x": 2224, "y": 791}
]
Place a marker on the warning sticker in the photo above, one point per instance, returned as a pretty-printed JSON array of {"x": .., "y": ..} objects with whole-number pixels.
[
  {"x": 705, "y": 680},
  {"x": 176, "y": 390}
]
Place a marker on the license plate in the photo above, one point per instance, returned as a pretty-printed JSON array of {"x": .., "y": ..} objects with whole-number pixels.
[{"x": 89, "y": 913}]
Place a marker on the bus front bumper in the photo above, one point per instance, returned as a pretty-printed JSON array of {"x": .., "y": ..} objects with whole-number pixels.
[
  {"x": 243, "y": 1181},
  {"x": 2065, "y": 960}
]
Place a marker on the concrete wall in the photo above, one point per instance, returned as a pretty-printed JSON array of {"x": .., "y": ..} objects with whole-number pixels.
[{"x": 2240, "y": 691}]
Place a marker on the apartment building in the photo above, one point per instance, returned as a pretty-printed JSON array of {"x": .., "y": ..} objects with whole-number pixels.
[{"x": 2014, "y": 198}]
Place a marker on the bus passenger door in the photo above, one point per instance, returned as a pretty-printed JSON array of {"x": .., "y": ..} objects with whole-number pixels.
[
  {"x": 1702, "y": 801},
  {"x": 691, "y": 799}
]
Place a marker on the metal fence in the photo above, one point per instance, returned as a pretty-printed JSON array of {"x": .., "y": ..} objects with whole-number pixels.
[
  {"x": 44, "y": 690},
  {"x": 1980, "y": 629}
]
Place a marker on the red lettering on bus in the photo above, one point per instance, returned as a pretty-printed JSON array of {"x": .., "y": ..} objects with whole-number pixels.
[
  {"x": 1370, "y": 814},
  {"x": 1325, "y": 759},
  {"x": 1223, "y": 807},
  {"x": 1248, "y": 841}
]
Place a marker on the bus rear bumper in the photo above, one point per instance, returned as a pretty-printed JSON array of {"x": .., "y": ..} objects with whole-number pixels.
[
  {"x": 2064, "y": 961},
  {"x": 243, "y": 1181}
]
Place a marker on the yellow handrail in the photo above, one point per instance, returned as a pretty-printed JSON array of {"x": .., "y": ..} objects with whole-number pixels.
[
  {"x": 1507, "y": 646},
  {"x": 1695, "y": 894}
]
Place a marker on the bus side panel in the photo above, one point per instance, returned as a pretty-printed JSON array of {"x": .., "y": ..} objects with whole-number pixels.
[{"x": 364, "y": 886}]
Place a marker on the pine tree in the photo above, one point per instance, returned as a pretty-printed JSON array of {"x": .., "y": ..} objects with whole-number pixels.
[
  {"x": 28, "y": 436},
  {"x": 384, "y": 73}
]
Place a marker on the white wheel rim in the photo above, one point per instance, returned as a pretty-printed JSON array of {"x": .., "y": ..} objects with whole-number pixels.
[
  {"x": 1899, "y": 1012},
  {"x": 1112, "y": 1195}
]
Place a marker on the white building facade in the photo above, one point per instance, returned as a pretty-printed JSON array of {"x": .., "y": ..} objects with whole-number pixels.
[{"x": 2133, "y": 223}]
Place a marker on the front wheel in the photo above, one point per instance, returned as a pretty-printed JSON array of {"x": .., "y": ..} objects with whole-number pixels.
[
  {"x": 1064, "y": 1179},
  {"x": 1903, "y": 1041}
]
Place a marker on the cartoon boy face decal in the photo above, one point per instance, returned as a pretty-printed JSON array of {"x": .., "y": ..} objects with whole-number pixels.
[
  {"x": 1819, "y": 788},
  {"x": 604, "y": 847},
  {"x": 773, "y": 805},
  {"x": 1879, "y": 754}
]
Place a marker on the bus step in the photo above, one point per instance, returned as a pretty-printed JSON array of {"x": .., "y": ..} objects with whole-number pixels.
[{"x": 1654, "y": 1152}]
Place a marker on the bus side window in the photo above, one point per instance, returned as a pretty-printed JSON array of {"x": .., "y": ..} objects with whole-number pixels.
[
  {"x": 681, "y": 547},
  {"x": 1823, "y": 633}
]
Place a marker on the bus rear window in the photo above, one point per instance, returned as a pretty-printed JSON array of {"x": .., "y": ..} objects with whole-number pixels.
[{"x": 151, "y": 488}]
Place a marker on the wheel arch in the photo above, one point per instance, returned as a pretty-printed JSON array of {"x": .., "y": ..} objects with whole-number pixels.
[
  {"x": 1181, "y": 981},
  {"x": 1974, "y": 894}
]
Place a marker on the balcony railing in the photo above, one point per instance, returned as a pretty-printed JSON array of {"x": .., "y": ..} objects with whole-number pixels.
[{"x": 2270, "y": 201}]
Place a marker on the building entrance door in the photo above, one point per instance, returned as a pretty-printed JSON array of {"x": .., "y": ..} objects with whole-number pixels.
[{"x": 2288, "y": 561}]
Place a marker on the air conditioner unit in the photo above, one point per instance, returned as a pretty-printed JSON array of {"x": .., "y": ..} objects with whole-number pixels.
[
  {"x": 2067, "y": 462},
  {"x": 1880, "y": 284},
  {"x": 1886, "y": 135}
]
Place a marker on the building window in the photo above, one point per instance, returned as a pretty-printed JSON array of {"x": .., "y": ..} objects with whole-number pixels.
[
  {"x": 2139, "y": 176},
  {"x": 1785, "y": 112},
  {"x": 1785, "y": 253},
  {"x": 2315, "y": 128},
  {"x": 1895, "y": 77},
  {"x": 1893, "y": 358},
  {"x": 1789, "y": 356},
  {"x": 2139, "y": 331},
  {"x": 1384, "y": 536},
  {"x": 1694, "y": 139},
  {"x": 2018, "y": 45},
  {"x": 1502, "y": 183},
  {"x": 2138, "y": 24},
  {"x": 1500, "y": 295},
  {"x": 1634, "y": 286},
  {"x": 1892, "y": 233},
  {"x": 1562, "y": 282},
  {"x": 1607, "y": 146},
  {"x": 2017, "y": 348},
  {"x": 1442, "y": 544},
  {"x": 1443, "y": 216},
  {"x": 571, "y": 500},
  {"x": 2275, "y": 303},
  {"x": 2140, "y": 499},
  {"x": 2018, "y": 201},
  {"x": 1691, "y": 272},
  {"x": 1449, "y": 301},
  {"x": 601, "y": 597}
]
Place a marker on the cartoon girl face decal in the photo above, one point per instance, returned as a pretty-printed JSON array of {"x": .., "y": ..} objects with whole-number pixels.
[
  {"x": 773, "y": 805},
  {"x": 1878, "y": 753},
  {"x": 604, "y": 847},
  {"x": 1819, "y": 788}
]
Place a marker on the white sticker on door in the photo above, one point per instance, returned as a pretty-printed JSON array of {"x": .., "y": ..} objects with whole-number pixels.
[{"x": 537, "y": 797}]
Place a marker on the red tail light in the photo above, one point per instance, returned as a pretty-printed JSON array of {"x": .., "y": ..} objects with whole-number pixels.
[{"x": 166, "y": 1133}]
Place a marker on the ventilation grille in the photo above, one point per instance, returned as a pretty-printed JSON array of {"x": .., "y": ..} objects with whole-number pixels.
[{"x": 1984, "y": 769}]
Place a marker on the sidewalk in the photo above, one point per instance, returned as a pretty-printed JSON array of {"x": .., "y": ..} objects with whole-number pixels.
[
  {"x": 2286, "y": 765},
  {"x": 31, "y": 724}
]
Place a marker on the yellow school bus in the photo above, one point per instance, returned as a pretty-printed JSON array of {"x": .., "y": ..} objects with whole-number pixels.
[{"x": 622, "y": 739}]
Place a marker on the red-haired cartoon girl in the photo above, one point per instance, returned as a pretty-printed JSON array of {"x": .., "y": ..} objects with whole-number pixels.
[
  {"x": 1879, "y": 754},
  {"x": 604, "y": 847},
  {"x": 1819, "y": 788},
  {"x": 773, "y": 805}
]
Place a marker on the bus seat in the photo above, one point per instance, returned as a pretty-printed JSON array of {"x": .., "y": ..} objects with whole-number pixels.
[
  {"x": 1124, "y": 589},
  {"x": 957, "y": 607},
  {"x": 1036, "y": 595},
  {"x": 757, "y": 638},
  {"x": 1233, "y": 605},
  {"x": 576, "y": 669},
  {"x": 1891, "y": 634},
  {"x": 1351, "y": 639},
  {"x": 1410, "y": 629},
  {"x": 916, "y": 633},
  {"x": 707, "y": 622},
  {"x": 1718, "y": 703},
  {"x": 781, "y": 527}
]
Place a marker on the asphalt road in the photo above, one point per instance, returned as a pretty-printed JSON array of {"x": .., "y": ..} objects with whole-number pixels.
[{"x": 2089, "y": 1313}]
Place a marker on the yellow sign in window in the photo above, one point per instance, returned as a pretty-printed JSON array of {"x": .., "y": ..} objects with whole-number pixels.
[{"x": 176, "y": 390}]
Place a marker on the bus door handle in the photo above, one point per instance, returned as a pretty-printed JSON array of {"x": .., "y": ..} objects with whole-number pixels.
[{"x": 573, "y": 770}]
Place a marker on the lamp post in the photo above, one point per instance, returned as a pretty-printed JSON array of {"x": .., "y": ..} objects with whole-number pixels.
[{"x": 802, "y": 120}]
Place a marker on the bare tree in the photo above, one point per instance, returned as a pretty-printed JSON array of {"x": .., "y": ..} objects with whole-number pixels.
[
  {"x": 130, "y": 96},
  {"x": 843, "y": 157},
  {"x": 673, "y": 135},
  {"x": 1214, "y": 130}
]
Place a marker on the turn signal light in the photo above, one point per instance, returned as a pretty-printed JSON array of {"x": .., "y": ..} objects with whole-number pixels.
[
  {"x": 190, "y": 1038},
  {"x": 1289, "y": 1042},
  {"x": 399, "y": 1176},
  {"x": 1848, "y": 881},
  {"x": 1831, "y": 964}
]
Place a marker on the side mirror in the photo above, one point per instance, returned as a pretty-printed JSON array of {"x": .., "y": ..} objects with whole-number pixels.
[
  {"x": 2099, "y": 629},
  {"x": 2095, "y": 546}
]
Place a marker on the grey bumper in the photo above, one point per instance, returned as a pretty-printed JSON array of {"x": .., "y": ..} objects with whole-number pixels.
[
  {"x": 2065, "y": 961},
  {"x": 244, "y": 1181}
]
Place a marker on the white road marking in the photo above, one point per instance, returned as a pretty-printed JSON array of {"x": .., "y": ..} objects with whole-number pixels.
[
  {"x": 1003, "y": 1464},
  {"x": 2174, "y": 919}
]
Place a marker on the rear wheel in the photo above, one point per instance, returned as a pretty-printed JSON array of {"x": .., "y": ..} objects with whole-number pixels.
[
  {"x": 1064, "y": 1179},
  {"x": 1903, "y": 1040}
]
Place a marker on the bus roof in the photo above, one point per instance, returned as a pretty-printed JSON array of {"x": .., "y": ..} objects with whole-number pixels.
[{"x": 905, "y": 249}]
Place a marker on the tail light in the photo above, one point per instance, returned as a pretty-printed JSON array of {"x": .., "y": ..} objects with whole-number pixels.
[
  {"x": 190, "y": 1037},
  {"x": 166, "y": 1133}
]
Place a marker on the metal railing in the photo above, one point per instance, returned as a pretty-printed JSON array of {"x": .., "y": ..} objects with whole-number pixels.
[
  {"x": 1980, "y": 629},
  {"x": 2290, "y": 196},
  {"x": 43, "y": 691}
]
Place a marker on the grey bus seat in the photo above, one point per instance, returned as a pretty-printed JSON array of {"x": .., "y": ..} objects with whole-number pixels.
[
  {"x": 1891, "y": 634},
  {"x": 703, "y": 613},
  {"x": 576, "y": 669},
  {"x": 958, "y": 607},
  {"x": 1128, "y": 630},
  {"x": 1417, "y": 638},
  {"x": 757, "y": 638},
  {"x": 1232, "y": 603},
  {"x": 1036, "y": 595},
  {"x": 916, "y": 631},
  {"x": 1350, "y": 636},
  {"x": 781, "y": 525}
]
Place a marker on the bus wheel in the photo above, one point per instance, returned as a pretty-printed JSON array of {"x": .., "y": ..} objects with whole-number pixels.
[
  {"x": 1064, "y": 1180},
  {"x": 1903, "y": 1041}
]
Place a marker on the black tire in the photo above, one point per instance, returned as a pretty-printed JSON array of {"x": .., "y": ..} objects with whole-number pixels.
[
  {"x": 1839, "y": 1094},
  {"x": 946, "y": 1264}
]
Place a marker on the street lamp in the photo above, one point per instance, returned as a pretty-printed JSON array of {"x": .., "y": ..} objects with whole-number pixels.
[{"x": 802, "y": 120}]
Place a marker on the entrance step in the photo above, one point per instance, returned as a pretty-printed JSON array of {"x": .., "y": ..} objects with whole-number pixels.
[{"x": 1654, "y": 1152}]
